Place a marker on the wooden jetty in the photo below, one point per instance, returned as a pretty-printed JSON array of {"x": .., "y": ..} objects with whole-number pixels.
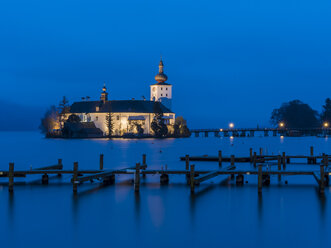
[
  {"x": 250, "y": 132},
  {"x": 227, "y": 166}
]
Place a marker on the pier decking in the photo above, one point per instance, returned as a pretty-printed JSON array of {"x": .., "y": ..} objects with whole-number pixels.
[{"x": 319, "y": 170}]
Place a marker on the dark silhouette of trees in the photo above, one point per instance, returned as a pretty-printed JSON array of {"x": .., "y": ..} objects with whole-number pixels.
[
  {"x": 180, "y": 128},
  {"x": 295, "y": 114},
  {"x": 158, "y": 126},
  {"x": 326, "y": 111}
]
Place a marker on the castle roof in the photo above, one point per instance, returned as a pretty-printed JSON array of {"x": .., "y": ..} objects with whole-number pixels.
[{"x": 118, "y": 106}]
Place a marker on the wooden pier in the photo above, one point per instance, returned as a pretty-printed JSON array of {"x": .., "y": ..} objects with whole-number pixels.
[
  {"x": 227, "y": 166},
  {"x": 266, "y": 132}
]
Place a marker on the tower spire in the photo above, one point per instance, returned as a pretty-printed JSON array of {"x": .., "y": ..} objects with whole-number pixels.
[{"x": 161, "y": 77}]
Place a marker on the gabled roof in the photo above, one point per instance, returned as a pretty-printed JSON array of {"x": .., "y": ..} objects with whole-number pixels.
[{"x": 118, "y": 106}]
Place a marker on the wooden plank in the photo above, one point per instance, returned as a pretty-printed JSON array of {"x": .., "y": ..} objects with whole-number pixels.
[
  {"x": 211, "y": 174},
  {"x": 95, "y": 176},
  {"x": 51, "y": 167}
]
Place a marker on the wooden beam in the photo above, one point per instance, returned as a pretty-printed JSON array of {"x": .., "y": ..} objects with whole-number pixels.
[{"x": 74, "y": 177}]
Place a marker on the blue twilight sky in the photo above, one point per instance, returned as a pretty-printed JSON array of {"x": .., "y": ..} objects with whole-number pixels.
[{"x": 227, "y": 60}]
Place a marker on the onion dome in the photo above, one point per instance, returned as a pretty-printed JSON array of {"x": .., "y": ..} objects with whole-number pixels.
[
  {"x": 161, "y": 77},
  {"x": 104, "y": 89}
]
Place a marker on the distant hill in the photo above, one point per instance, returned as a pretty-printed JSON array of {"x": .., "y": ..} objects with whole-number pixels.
[{"x": 15, "y": 117}]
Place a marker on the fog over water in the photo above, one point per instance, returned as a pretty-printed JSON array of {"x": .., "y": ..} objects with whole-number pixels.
[{"x": 219, "y": 214}]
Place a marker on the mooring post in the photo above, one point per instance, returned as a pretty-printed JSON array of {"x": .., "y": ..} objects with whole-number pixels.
[
  {"x": 232, "y": 159},
  {"x": 11, "y": 178},
  {"x": 192, "y": 178},
  {"x": 279, "y": 160},
  {"x": 144, "y": 160},
  {"x": 254, "y": 159},
  {"x": 44, "y": 179},
  {"x": 137, "y": 178},
  {"x": 322, "y": 174},
  {"x": 74, "y": 178},
  {"x": 101, "y": 161},
  {"x": 144, "y": 164},
  {"x": 260, "y": 179},
  {"x": 251, "y": 154},
  {"x": 284, "y": 161},
  {"x": 261, "y": 151},
  {"x": 59, "y": 162},
  {"x": 187, "y": 162},
  {"x": 311, "y": 151},
  {"x": 220, "y": 158}
]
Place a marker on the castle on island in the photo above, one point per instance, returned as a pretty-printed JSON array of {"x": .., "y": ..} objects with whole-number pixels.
[{"x": 127, "y": 116}]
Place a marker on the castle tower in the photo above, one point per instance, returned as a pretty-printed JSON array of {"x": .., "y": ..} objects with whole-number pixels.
[
  {"x": 161, "y": 91},
  {"x": 104, "y": 94}
]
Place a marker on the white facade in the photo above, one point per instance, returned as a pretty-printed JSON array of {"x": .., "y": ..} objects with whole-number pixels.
[
  {"x": 125, "y": 123},
  {"x": 162, "y": 93}
]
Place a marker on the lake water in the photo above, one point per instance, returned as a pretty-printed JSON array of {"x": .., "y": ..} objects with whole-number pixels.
[{"x": 217, "y": 215}]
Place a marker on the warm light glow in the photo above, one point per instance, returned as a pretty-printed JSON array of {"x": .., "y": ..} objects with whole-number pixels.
[
  {"x": 231, "y": 137},
  {"x": 282, "y": 137},
  {"x": 231, "y": 125},
  {"x": 326, "y": 124},
  {"x": 282, "y": 124},
  {"x": 221, "y": 129}
]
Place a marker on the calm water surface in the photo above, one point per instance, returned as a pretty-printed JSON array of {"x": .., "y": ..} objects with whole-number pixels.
[{"x": 219, "y": 214}]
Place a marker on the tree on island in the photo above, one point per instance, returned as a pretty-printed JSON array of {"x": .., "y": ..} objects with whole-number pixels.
[
  {"x": 109, "y": 124},
  {"x": 63, "y": 109},
  {"x": 158, "y": 126},
  {"x": 50, "y": 121},
  {"x": 295, "y": 114},
  {"x": 180, "y": 128},
  {"x": 73, "y": 119},
  {"x": 326, "y": 111}
]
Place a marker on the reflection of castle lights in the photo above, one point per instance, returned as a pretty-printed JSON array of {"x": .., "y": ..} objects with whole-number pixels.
[
  {"x": 231, "y": 137},
  {"x": 282, "y": 137}
]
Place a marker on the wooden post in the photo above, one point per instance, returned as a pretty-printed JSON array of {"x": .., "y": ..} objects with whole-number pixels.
[
  {"x": 11, "y": 178},
  {"x": 137, "y": 178},
  {"x": 101, "y": 161},
  {"x": 220, "y": 158},
  {"x": 254, "y": 159},
  {"x": 44, "y": 179},
  {"x": 284, "y": 161},
  {"x": 144, "y": 160},
  {"x": 187, "y": 162},
  {"x": 192, "y": 178},
  {"x": 279, "y": 159},
  {"x": 322, "y": 185},
  {"x": 261, "y": 151},
  {"x": 232, "y": 159},
  {"x": 59, "y": 162},
  {"x": 311, "y": 151},
  {"x": 251, "y": 154},
  {"x": 260, "y": 179},
  {"x": 74, "y": 177}
]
